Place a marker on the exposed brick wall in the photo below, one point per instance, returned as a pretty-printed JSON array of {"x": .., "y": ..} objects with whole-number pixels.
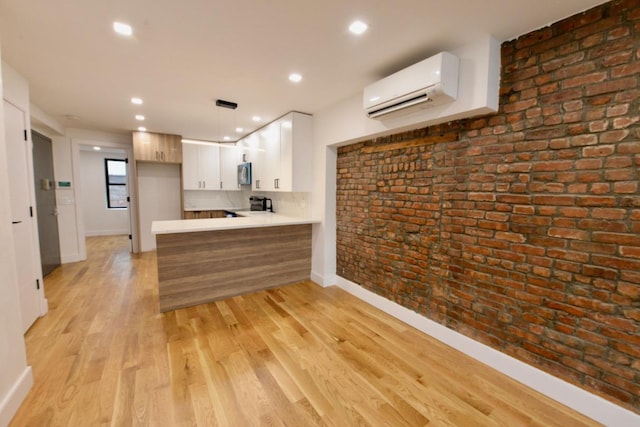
[{"x": 519, "y": 229}]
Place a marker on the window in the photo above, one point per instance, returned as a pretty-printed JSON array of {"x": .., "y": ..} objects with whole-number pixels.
[{"x": 116, "y": 174}]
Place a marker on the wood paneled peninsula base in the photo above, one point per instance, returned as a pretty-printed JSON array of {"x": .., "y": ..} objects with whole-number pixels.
[{"x": 196, "y": 267}]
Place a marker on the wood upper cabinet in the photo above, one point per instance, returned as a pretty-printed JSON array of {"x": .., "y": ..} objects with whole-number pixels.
[{"x": 157, "y": 147}]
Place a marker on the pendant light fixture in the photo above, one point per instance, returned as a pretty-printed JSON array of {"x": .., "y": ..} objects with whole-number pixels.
[{"x": 231, "y": 106}]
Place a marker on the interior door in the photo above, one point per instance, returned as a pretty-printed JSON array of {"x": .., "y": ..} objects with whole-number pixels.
[
  {"x": 46, "y": 203},
  {"x": 21, "y": 208}
]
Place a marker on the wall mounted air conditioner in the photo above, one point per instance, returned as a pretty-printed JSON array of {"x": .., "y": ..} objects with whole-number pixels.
[{"x": 430, "y": 82}]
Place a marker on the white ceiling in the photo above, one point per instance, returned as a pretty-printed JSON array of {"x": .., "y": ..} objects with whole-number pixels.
[{"x": 186, "y": 54}]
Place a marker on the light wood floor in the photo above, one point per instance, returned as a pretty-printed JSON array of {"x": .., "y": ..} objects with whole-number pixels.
[{"x": 295, "y": 356}]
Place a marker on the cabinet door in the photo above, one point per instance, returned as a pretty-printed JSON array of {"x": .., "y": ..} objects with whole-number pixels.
[
  {"x": 143, "y": 147},
  {"x": 190, "y": 175},
  {"x": 157, "y": 147},
  {"x": 209, "y": 167},
  {"x": 270, "y": 156},
  {"x": 284, "y": 178},
  {"x": 169, "y": 147},
  {"x": 229, "y": 168},
  {"x": 252, "y": 152}
]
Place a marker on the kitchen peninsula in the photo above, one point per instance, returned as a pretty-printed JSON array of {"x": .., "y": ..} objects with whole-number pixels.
[{"x": 203, "y": 260}]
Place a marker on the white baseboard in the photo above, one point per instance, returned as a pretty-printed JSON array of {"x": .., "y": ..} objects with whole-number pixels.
[
  {"x": 559, "y": 390},
  {"x": 66, "y": 259},
  {"x": 11, "y": 402},
  {"x": 321, "y": 280}
]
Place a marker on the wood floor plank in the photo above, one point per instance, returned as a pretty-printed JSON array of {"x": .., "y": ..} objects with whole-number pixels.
[{"x": 298, "y": 355}]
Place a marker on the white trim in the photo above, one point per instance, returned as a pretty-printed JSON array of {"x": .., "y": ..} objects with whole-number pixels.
[
  {"x": 67, "y": 259},
  {"x": 320, "y": 279},
  {"x": 572, "y": 396},
  {"x": 16, "y": 395},
  {"x": 92, "y": 233}
]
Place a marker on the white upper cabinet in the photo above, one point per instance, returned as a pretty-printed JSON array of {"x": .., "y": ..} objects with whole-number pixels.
[
  {"x": 268, "y": 157},
  {"x": 201, "y": 167},
  {"x": 281, "y": 154},
  {"x": 229, "y": 168},
  {"x": 295, "y": 168}
]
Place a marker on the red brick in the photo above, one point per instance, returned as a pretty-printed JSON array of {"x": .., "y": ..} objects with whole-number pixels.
[
  {"x": 629, "y": 147},
  {"x": 613, "y": 136},
  {"x": 610, "y": 214},
  {"x": 582, "y": 140},
  {"x": 611, "y": 86},
  {"x": 630, "y": 251},
  {"x": 585, "y": 79},
  {"x": 625, "y": 187},
  {"x": 598, "y": 150},
  {"x": 624, "y": 122},
  {"x": 567, "y": 233}
]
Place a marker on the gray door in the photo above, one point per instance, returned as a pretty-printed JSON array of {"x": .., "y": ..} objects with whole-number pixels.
[{"x": 46, "y": 203}]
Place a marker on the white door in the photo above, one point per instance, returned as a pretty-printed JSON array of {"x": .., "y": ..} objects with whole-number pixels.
[{"x": 21, "y": 215}]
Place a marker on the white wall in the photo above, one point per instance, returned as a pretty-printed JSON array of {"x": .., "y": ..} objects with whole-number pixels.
[
  {"x": 99, "y": 220},
  {"x": 346, "y": 123},
  {"x": 16, "y": 377},
  {"x": 159, "y": 192}
]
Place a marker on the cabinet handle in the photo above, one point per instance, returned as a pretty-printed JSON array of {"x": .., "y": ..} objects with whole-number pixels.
[
  {"x": 221, "y": 184},
  {"x": 257, "y": 183},
  {"x": 276, "y": 183},
  {"x": 204, "y": 184},
  {"x": 157, "y": 157},
  {"x": 162, "y": 154}
]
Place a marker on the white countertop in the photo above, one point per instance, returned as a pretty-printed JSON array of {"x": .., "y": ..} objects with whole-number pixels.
[{"x": 250, "y": 219}]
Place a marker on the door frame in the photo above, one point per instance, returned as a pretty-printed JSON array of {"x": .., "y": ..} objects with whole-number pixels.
[
  {"x": 91, "y": 141},
  {"x": 49, "y": 140}
]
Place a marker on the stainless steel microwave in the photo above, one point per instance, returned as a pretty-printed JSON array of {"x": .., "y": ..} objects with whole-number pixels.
[{"x": 244, "y": 173}]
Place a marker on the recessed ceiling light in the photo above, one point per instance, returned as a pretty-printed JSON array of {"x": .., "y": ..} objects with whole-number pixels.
[
  {"x": 295, "y": 77},
  {"x": 122, "y": 29},
  {"x": 97, "y": 148},
  {"x": 142, "y": 129},
  {"x": 137, "y": 101},
  {"x": 358, "y": 27},
  {"x": 139, "y": 117},
  {"x": 256, "y": 118},
  {"x": 239, "y": 130},
  {"x": 226, "y": 138}
]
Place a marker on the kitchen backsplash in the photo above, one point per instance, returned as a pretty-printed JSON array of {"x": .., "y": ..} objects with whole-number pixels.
[
  {"x": 290, "y": 204},
  {"x": 213, "y": 200}
]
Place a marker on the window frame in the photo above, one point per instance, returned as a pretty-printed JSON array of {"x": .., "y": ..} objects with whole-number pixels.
[{"x": 108, "y": 183}]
